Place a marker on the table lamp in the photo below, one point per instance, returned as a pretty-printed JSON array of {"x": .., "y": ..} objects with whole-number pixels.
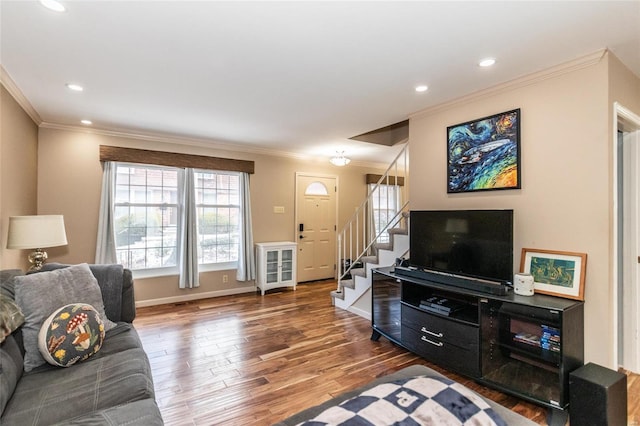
[{"x": 36, "y": 232}]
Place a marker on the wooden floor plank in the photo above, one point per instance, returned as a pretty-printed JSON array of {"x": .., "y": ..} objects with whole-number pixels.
[{"x": 250, "y": 359}]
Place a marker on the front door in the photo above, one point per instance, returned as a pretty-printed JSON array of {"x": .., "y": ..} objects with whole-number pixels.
[{"x": 316, "y": 218}]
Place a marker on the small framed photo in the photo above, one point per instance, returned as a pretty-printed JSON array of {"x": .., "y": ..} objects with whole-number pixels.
[
  {"x": 484, "y": 154},
  {"x": 557, "y": 273}
]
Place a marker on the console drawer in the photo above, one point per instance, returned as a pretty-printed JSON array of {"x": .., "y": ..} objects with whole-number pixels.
[
  {"x": 463, "y": 360},
  {"x": 442, "y": 329}
]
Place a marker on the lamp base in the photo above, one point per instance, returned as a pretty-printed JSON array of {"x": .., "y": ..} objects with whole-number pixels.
[{"x": 37, "y": 259}]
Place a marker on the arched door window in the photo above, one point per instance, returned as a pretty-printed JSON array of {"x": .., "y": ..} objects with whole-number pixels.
[{"x": 316, "y": 188}]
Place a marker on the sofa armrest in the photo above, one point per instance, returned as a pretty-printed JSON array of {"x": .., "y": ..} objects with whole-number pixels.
[{"x": 128, "y": 313}]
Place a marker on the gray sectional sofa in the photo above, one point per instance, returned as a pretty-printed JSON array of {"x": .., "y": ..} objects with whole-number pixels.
[{"x": 112, "y": 387}]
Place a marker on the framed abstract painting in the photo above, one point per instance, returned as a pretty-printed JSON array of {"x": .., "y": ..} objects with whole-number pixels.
[{"x": 484, "y": 154}]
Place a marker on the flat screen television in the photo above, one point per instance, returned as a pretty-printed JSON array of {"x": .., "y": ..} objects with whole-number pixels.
[{"x": 467, "y": 243}]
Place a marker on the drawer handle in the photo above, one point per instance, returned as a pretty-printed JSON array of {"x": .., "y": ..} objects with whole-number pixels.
[
  {"x": 424, "y": 330},
  {"x": 424, "y": 339}
]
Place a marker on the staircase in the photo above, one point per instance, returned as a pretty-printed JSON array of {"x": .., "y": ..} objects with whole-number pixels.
[{"x": 373, "y": 237}]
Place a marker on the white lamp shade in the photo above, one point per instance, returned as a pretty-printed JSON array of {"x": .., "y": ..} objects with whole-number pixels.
[{"x": 33, "y": 232}]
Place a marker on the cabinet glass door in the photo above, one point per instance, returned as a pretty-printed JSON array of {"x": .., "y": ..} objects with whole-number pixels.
[
  {"x": 287, "y": 265},
  {"x": 512, "y": 350},
  {"x": 272, "y": 266},
  {"x": 385, "y": 310}
]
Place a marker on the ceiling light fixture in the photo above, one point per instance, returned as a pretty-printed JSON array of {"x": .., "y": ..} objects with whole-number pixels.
[
  {"x": 86, "y": 122},
  {"x": 54, "y": 5},
  {"x": 339, "y": 160},
  {"x": 75, "y": 87},
  {"x": 487, "y": 62},
  {"x": 421, "y": 88}
]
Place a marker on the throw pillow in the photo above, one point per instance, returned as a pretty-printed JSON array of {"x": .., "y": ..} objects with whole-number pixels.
[
  {"x": 39, "y": 294},
  {"x": 71, "y": 334},
  {"x": 10, "y": 317}
]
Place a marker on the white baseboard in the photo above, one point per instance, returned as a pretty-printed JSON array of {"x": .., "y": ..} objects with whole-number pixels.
[
  {"x": 364, "y": 314},
  {"x": 195, "y": 296}
]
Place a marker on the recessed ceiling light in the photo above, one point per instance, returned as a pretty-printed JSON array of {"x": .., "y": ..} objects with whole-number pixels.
[
  {"x": 487, "y": 62},
  {"x": 86, "y": 122},
  {"x": 421, "y": 88},
  {"x": 54, "y": 5},
  {"x": 75, "y": 87}
]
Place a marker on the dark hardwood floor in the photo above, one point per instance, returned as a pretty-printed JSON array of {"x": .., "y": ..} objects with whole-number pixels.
[{"x": 251, "y": 359}]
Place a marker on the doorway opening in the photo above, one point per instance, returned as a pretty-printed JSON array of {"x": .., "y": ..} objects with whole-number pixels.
[{"x": 626, "y": 244}]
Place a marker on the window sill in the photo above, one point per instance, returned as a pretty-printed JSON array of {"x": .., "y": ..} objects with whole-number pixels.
[
  {"x": 153, "y": 273},
  {"x": 167, "y": 272}
]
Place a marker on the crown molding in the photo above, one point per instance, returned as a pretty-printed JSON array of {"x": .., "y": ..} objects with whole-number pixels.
[
  {"x": 195, "y": 142},
  {"x": 172, "y": 139},
  {"x": 527, "y": 80},
  {"x": 17, "y": 94}
]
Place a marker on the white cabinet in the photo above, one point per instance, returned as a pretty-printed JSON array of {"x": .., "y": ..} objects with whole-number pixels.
[{"x": 276, "y": 265}]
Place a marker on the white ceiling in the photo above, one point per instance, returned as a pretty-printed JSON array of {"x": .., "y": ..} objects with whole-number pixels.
[{"x": 288, "y": 77}]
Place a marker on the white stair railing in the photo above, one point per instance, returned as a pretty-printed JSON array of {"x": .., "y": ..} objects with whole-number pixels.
[{"x": 359, "y": 236}]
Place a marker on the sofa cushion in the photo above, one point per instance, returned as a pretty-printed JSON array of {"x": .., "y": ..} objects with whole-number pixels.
[
  {"x": 10, "y": 369},
  {"x": 71, "y": 334},
  {"x": 53, "y": 395},
  {"x": 137, "y": 413},
  {"x": 75, "y": 284},
  {"x": 120, "y": 338},
  {"x": 112, "y": 280},
  {"x": 11, "y": 317},
  {"x": 7, "y": 284}
]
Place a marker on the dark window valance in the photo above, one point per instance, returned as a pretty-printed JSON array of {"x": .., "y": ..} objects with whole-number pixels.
[
  {"x": 172, "y": 159},
  {"x": 393, "y": 180}
]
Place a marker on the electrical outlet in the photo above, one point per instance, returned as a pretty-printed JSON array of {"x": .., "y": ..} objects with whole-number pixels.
[{"x": 225, "y": 278}]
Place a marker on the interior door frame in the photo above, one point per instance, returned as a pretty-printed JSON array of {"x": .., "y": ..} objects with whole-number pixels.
[
  {"x": 295, "y": 203},
  {"x": 621, "y": 114}
]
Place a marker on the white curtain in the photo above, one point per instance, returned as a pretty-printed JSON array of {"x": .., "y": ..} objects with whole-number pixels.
[
  {"x": 246, "y": 257},
  {"x": 188, "y": 247},
  {"x": 106, "y": 244}
]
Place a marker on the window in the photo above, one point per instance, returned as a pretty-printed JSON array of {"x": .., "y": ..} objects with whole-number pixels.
[
  {"x": 218, "y": 211},
  {"x": 147, "y": 214},
  {"x": 385, "y": 204},
  {"x": 316, "y": 188}
]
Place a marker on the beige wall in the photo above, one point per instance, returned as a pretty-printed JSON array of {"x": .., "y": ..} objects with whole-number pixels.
[
  {"x": 18, "y": 173},
  {"x": 565, "y": 200},
  {"x": 70, "y": 181},
  {"x": 624, "y": 86}
]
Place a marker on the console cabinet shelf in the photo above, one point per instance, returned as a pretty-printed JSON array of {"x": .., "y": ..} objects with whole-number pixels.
[
  {"x": 276, "y": 265},
  {"x": 522, "y": 345}
]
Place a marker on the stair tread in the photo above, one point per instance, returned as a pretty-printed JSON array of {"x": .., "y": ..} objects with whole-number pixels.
[
  {"x": 384, "y": 246},
  {"x": 401, "y": 231},
  {"x": 337, "y": 294}
]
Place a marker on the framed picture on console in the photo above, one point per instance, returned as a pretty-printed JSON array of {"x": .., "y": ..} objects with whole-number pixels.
[
  {"x": 557, "y": 273},
  {"x": 484, "y": 154}
]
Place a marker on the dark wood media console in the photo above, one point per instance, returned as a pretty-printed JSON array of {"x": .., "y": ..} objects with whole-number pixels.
[{"x": 522, "y": 345}]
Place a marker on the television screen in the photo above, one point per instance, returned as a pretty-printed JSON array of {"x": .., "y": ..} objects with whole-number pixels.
[{"x": 471, "y": 243}]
